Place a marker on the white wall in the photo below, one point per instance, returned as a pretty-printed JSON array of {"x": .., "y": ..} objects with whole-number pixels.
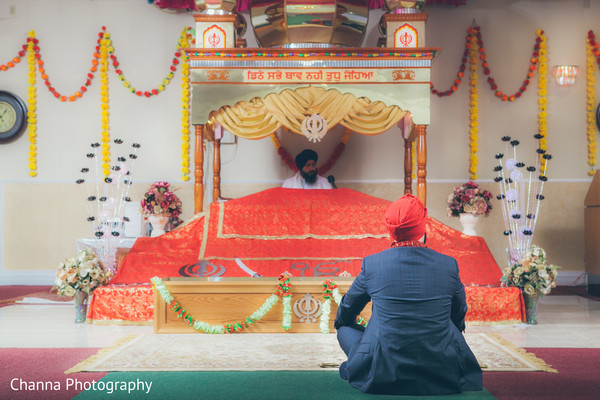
[{"x": 145, "y": 39}]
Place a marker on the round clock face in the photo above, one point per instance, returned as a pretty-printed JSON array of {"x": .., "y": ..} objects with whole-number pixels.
[{"x": 13, "y": 116}]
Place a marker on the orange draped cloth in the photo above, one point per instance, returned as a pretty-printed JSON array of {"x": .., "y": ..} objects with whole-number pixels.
[{"x": 307, "y": 233}]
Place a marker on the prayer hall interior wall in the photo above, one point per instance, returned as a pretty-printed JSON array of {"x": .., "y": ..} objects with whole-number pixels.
[{"x": 41, "y": 218}]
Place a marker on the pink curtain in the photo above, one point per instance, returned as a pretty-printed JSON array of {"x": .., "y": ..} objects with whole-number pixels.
[{"x": 373, "y": 4}]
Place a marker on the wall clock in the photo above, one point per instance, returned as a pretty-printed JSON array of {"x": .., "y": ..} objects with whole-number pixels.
[{"x": 13, "y": 116}]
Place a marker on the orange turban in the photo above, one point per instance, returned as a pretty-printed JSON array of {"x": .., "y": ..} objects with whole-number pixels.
[{"x": 406, "y": 218}]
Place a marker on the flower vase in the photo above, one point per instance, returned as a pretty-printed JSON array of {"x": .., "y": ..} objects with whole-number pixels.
[
  {"x": 468, "y": 222},
  {"x": 80, "y": 302},
  {"x": 158, "y": 222},
  {"x": 531, "y": 302}
]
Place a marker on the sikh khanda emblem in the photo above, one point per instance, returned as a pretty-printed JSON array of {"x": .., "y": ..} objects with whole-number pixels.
[
  {"x": 214, "y": 37},
  {"x": 307, "y": 309},
  {"x": 314, "y": 127},
  {"x": 406, "y": 36}
]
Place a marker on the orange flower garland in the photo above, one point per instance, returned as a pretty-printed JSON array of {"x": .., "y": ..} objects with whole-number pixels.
[
  {"x": 78, "y": 94},
  {"x": 32, "y": 104},
  {"x": 149, "y": 93},
  {"x": 461, "y": 71},
  {"x": 486, "y": 70},
  {"x": 459, "y": 75},
  {"x": 105, "y": 48},
  {"x": 542, "y": 93},
  {"x": 15, "y": 60},
  {"x": 593, "y": 53},
  {"x": 473, "y": 110}
]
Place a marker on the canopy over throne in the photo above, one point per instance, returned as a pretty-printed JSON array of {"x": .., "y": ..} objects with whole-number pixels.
[{"x": 310, "y": 76}]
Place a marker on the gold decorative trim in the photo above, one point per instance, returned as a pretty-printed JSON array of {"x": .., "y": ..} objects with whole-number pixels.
[
  {"x": 204, "y": 236},
  {"x": 529, "y": 357},
  {"x": 405, "y": 17},
  {"x": 85, "y": 364},
  {"x": 214, "y": 18}
]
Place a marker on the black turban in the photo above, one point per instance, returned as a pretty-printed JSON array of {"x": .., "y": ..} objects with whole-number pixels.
[{"x": 303, "y": 157}]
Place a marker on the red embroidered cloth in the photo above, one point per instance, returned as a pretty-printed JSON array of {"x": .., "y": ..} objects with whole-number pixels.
[
  {"x": 135, "y": 305},
  {"x": 305, "y": 232}
]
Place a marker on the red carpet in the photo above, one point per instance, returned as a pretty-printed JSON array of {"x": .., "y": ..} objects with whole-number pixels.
[
  {"x": 22, "y": 368},
  {"x": 19, "y": 291},
  {"x": 578, "y": 377}
]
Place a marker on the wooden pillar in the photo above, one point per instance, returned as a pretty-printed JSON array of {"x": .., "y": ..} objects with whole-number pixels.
[
  {"x": 216, "y": 169},
  {"x": 407, "y": 166},
  {"x": 422, "y": 163},
  {"x": 199, "y": 169}
]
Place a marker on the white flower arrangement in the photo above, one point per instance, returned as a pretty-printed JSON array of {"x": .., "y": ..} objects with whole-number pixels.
[
  {"x": 531, "y": 273},
  {"x": 82, "y": 273}
]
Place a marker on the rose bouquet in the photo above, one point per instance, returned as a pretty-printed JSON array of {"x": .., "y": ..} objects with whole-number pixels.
[
  {"x": 469, "y": 198},
  {"x": 531, "y": 274},
  {"x": 83, "y": 273},
  {"x": 160, "y": 199}
]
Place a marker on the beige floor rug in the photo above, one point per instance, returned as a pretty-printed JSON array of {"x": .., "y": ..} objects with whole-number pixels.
[{"x": 254, "y": 352}]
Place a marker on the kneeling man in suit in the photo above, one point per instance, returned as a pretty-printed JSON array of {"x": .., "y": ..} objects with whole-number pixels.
[{"x": 413, "y": 343}]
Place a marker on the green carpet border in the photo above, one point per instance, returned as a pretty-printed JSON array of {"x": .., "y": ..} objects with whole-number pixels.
[{"x": 250, "y": 385}]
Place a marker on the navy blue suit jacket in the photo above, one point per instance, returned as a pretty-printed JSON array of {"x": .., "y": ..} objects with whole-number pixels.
[{"x": 413, "y": 342}]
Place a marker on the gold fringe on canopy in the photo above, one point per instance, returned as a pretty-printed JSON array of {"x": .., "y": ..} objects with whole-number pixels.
[{"x": 258, "y": 118}]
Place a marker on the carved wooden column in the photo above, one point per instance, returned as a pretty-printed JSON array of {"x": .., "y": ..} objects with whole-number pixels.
[
  {"x": 422, "y": 163},
  {"x": 407, "y": 166},
  {"x": 216, "y": 169},
  {"x": 199, "y": 169}
]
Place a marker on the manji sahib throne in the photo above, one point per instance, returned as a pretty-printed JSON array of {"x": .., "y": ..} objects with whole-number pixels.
[{"x": 309, "y": 75}]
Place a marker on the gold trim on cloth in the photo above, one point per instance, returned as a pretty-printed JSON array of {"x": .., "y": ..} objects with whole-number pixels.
[
  {"x": 222, "y": 235},
  {"x": 90, "y": 361}
]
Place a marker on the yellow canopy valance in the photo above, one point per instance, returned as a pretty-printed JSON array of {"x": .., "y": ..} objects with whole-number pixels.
[{"x": 260, "y": 117}]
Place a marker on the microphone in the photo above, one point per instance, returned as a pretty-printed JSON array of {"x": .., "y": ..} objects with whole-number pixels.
[{"x": 331, "y": 180}]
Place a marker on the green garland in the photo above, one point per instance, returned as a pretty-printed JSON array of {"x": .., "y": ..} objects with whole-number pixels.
[
  {"x": 206, "y": 327},
  {"x": 283, "y": 289}
]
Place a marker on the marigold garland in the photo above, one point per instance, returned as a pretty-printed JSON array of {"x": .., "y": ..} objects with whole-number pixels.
[
  {"x": 593, "y": 54},
  {"x": 325, "y": 167},
  {"x": 182, "y": 43},
  {"x": 459, "y": 75},
  {"x": 15, "y": 60},
  {"x": 542, "y": 93},
  {"x": 533, "y": 61},
  {"x": 105, "y": 49},
  {"x": 32, "y": 104},
  {"x": 185, "y": 103},
  {"x": 473, "y": 104},
  {"x": 83, "y": 89}
]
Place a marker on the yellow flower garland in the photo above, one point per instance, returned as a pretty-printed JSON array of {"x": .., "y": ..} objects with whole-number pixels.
[
  {"x": 473, "y": 109},
  {"x": 590, "y": 106},
  {"x": 32, "y": 103},
  {"x": 105, "y": 45},
  {"x": 185, "y": 106},
  {"x": 542, "y": 93}
]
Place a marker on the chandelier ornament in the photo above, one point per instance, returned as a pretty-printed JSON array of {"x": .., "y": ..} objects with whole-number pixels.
[{"x": 314, "y": 127}]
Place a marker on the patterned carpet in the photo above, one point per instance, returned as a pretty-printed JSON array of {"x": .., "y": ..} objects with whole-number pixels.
[{"x": 278, "y": 352}]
